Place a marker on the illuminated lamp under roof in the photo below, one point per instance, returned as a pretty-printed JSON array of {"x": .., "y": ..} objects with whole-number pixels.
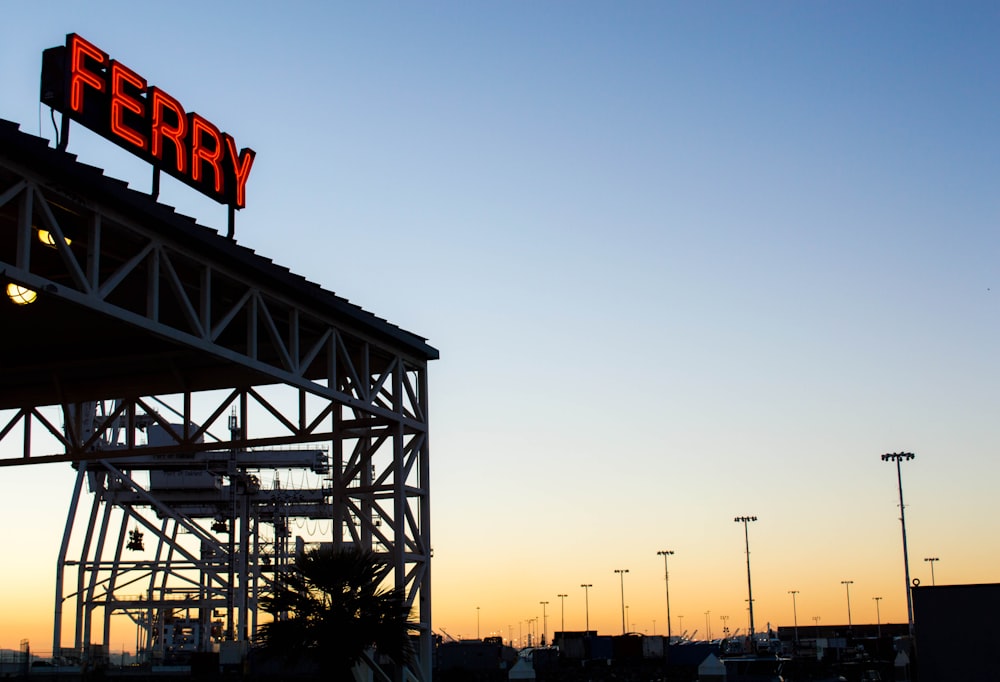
[
  {"x": 21, "y": 295},
  {"x": 49, "y": 239}
]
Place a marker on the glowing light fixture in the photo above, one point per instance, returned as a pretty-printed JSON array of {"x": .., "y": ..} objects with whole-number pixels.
[
  {"x": 49, "y": 239},
  {"x": 21, "y": 295}
]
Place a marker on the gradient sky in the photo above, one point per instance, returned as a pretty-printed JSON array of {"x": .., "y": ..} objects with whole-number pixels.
[{"x": 683, "y": 261}]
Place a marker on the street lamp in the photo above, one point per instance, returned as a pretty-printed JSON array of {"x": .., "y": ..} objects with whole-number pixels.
[
  {"x": 816, "y": 620},
  {"x": 586, "y": 600},
  {"x": 898, "y": 457},
  {"x": 795, "y": 614},
  {"x": 545, "y": 623},
  {"x": 847, "y": 584},
  {"x": 562, "y": 602},
  {"x": 878, "y": 616},
  {"x": 708, "y": 627},
  {"x": 746, "y": 534},
  {"x": 932, "y": 559},
  {"x": 666, "y": 579},
  {"x": 477, "y": 623},
  {"x": 621, "y": 573},
  {"x": 725, "y": 625}
]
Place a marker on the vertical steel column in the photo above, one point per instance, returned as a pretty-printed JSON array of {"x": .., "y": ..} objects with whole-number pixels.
[
  {"x": 426, "y": 644},
  {"x": 81, "y": 572},
  {"x": 61, "y": 560},
  {"x": 113, "y": 578},
  {"x": 88, "y": 602}
]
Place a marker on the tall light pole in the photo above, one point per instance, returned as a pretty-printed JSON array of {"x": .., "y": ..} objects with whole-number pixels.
[
  {"x": 562, "y": 602},
  {"x": 725, "y": 625},
  {"x": 545, "y": 623},
  {"x": 586, "y": 601},
  {"x": 666, "y": 579},
  {"x": 847, "y": 584},
  {"x": 708, "y": 627},
  {"x": 621, "y": 572},
  {"x": 898, "y": 457},
  {"x": 746, "y": 535},
  {"x": 878, "y": 616},
  {"x": 816, "y": 620},
  {"x": 477, "y": 623},
  {"x": 932, "y": 559},
  {"x": 795, "y": 614}
]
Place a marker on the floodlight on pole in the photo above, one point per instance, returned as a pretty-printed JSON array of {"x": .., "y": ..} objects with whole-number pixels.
[
  {"x": 847, "y": 584},
  {"x": 898, "y": 458},
  {"x": 621, "y": 572},
  {"x": 545, "y": 623},
  {"x": 562, "y": 602},
  {"x": 878, "y": 616},
  {"x": 666, "y": 579},
  {"x": 745, "y": 520},
  {"x": 795, "y": 614},
  {"x": 931, "y": 560},
  {"x": 586, "y": 603}
]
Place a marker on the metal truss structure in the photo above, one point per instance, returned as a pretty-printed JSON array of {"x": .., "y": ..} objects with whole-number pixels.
[
  {"x": 216, "y": 547},
  {"x": 115, "y": 300}
]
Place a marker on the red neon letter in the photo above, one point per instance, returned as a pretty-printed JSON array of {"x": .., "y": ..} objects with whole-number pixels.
[
  {"x": 79, "y": 75},
  {"x": 122, "y": 101},
  {"x": 201, "y": 128},
  {"x": 159, "y": 103},
  {"x": 241, "y": 168}
]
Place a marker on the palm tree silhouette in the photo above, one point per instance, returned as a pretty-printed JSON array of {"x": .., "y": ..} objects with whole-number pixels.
[{"x": 332, "y": 611}]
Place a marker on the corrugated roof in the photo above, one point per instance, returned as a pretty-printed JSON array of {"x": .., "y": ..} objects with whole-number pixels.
[{"x": 66, "y": 174}]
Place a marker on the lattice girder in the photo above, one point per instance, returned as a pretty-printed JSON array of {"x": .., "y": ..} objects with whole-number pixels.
[{"x": 185, "y": 330}]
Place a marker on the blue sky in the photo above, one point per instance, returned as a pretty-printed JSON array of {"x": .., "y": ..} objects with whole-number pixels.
[{"x": 683, "y": 261}]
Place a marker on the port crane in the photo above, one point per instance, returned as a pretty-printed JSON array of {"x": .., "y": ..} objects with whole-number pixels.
[{"x": 183, "y": 544}]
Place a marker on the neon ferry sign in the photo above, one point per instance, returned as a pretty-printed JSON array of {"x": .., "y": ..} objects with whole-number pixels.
[{"x": 86, "y": 85}]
